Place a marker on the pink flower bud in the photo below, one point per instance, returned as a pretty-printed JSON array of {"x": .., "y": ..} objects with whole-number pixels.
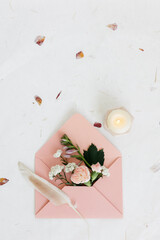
[
  {"x": 66, "y": 156},
  {"x": 65, "y": 147},
  {"x": 70, "y": 151}
]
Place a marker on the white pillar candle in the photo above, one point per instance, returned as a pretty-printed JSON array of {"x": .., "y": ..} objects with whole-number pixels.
[{"x": 118, "y": 121}]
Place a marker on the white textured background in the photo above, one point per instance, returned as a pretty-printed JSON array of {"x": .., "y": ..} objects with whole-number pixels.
[{"x": 113, "y": 73}]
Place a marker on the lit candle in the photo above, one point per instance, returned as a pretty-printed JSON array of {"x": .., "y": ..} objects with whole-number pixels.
[{"x": 118, "y": 121}]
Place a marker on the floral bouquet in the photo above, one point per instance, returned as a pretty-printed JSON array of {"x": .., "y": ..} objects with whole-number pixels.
[{"x": 86, "y": 172}]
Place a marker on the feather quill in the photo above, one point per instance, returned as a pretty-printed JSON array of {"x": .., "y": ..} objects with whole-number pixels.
[{"x": 50, "y": 191}]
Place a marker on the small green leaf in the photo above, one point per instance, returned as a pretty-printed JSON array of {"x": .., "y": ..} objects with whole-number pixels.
[
  {"x": 77, "y": 157},
  {"x": 100, "y": 157},
  {"x": 88, "y": 184},
  {"x": 94, "y": 175},
  {"x": 71, "y": 147},
  {"x": 78, "y": 148}
]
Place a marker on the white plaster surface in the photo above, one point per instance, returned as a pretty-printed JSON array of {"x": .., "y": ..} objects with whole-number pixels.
[{"x": 113, "y": 73}]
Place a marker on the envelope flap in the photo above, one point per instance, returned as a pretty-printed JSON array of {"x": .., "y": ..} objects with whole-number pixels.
[
  {"x": 42, "y": 170},
  {"x": 76, "y": 128},
  {"x": 93, "y": 205},
  {"x": 111, "y": 187}
]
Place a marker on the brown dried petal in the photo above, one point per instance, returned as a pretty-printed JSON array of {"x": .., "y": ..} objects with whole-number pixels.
[
  {"x": 39, "y": 40},
  {"x": 3, "y": 181},
  {"x": 79, "y": 55},
  {"x": 112, "y": 26},
  {"x": 38, "y": 100},
  {"x": 97, "y": 124},
  {"x": 141, "y": 49},
  {"x": 58, "y": 94}
]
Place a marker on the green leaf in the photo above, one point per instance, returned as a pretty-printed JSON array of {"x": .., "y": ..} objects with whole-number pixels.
[
  {"x": 88, "y": 184},
  {"x": 77, "y": 157},
  {"x": 94, "y": 175},
  {"x": 78, "y": 148},
  {"x": 71, "y": 147},
  {"x": 100, "y": 157},
  {"x": 92, "y": 155}
]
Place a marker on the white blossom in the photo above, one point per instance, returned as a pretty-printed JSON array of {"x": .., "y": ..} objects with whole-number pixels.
[
  {"x": 55, "y": 170},
  {"x": 57, "y": 154},
  {"x": 105, "y": 171},
  {"x": 70, "y": 167},
  {"x": 51, "y": 175}
]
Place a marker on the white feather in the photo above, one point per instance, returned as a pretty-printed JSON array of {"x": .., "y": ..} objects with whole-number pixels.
[{"x": 50, "y": 191}]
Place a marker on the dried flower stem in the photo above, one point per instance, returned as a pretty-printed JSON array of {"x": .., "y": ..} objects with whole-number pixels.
[{"x": 63, "y": 179}]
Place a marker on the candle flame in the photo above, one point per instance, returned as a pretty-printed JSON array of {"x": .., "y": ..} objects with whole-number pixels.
[{"x": 118, "y": 121}]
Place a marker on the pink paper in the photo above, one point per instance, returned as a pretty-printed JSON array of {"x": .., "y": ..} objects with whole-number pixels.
[{"x": 104, "y": 198}]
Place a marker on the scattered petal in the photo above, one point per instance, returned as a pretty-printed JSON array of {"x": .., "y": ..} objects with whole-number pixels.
[
  {"x": 39, "y": 40},
  {"x": 141, "y": 49},
  {"x": 58, "y": 94},
  {"x": 156, "y": 167},
  {"x": 38, "y": 100},
  {"x": 3, "y": 181},
  {"x": 155, "y": 80},
  {"x": 97, "y": 124},
  {"x": 112, "y": 26},
  {"x": 79, "y": 55}
]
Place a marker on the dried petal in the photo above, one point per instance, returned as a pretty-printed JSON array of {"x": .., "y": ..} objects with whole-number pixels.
[
  {"x": 155, "y": 80},
  {"x": 156, "y": 167},
  {"x": 141, "y": 49},
  {"x": 97, "y": 124},
  {"x": 79, "y": 55},
  {"x": 38, "y": 100},
  {"x": 112, "y": 26},
  {"x": 58, "y": 94},
  {"x": 39, "y": 40},
  {"x": 3, "y": 181}
]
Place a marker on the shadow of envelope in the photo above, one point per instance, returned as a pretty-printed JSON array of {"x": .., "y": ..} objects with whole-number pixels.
[{"x": 104, "y": 198}]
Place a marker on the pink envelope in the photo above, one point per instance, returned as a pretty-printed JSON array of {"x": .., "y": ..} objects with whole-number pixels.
[{"x": 104, "y": 198}]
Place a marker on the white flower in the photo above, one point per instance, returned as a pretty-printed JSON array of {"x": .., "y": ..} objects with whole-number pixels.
[
  {"x": 70, "y": 167},
  {"x": 51, "y": 175},
  {"x": 105, "y": 171},
  {"x": 96, "y": 167},
  {"x": 55, "y": 170},
  {"x": 57, "y": 154}
]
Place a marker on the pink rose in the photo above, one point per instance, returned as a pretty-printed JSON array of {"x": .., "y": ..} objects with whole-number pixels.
[
  {"x": 80, "y": 175},
  {"x": 96, "y": 167}
]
